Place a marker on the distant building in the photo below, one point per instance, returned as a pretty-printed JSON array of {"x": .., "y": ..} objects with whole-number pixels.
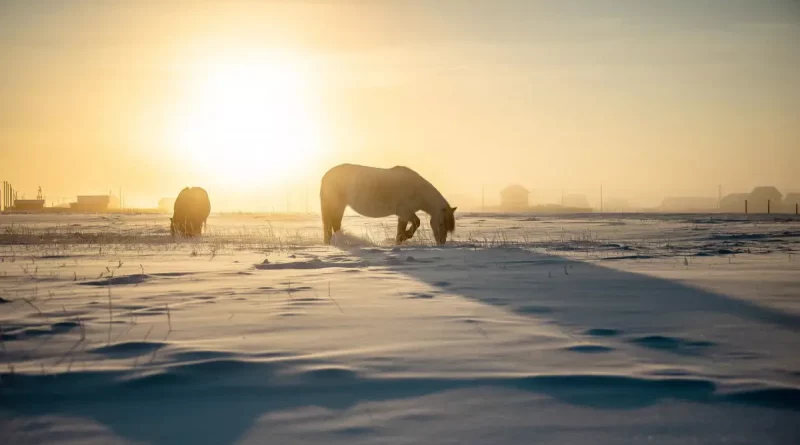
[
  {"x": 29, "y": 204},
  {"x": 790, "y": 201},
  {"x": 688, "y": 204},
  {"x": 514, "y": 196},
  {"x": 94, "y": 203},
  {"x": 733, "y": 203},
  {"x": 758, "y": 198},
  {"x": 166, "y": 204}
]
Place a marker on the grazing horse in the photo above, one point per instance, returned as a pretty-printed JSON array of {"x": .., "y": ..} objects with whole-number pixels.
[
  {"x": 191, "y": 211},
  {"x": 380, "y": 192}
]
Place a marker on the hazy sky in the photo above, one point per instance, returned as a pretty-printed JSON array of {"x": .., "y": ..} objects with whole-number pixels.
[{"x": 648, "y": 97}]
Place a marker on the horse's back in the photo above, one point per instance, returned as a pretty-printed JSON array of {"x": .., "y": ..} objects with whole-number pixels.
[
  {"x": 193, "y": 203},
  {"x": 370, "y": 191}
]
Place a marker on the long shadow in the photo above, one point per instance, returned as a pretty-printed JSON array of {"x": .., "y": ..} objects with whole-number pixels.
[
  {"x": 574, "y": 292},
  {"x": 218, "y": 401}
]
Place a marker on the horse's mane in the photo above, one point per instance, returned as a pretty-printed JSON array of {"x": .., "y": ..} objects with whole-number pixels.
[
  {"x": 450, "y": 221},
  {"x": 427, "y": 184}
]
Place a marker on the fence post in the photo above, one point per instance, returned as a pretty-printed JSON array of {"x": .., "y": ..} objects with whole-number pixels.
[
  {"x": 768, "y": 202},
  {"x": 745, "y": 206},
  {"x": 795, "y": 208}
]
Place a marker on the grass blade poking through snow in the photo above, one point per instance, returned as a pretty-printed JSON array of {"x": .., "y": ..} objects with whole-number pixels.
[
  {"x": 331, "y": 297},
  {"x": 110, "y": 309}
]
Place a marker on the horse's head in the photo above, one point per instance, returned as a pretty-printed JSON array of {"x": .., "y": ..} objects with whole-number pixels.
[{"x": 443, "y": 222}]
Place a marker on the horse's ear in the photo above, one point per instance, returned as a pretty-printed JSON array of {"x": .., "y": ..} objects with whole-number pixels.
[{"x": 453, "y": 209}]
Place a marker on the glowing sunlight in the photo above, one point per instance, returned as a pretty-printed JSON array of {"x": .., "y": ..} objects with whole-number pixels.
[{"x": 248, "y": 121}]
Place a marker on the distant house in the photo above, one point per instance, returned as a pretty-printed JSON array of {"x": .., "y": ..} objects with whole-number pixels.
[
  {"x": 688, "y": 204},
  {"x": 514, "y": 196},
  {"x": 94, "y": 203},
  {"x": 733, "y": 203},
  {"x": 760, "y": 196},
  {"x": 29, "y": 204},
  {"x": 790, "y": 201}
]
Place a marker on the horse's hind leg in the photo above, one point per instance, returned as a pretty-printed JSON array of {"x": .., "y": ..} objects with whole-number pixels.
[
  {"x": 332, "y": 214},
  {"x": 327, "y": 230}
]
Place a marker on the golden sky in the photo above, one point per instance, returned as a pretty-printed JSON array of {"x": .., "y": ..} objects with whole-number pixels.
[{"x": 255, "y": 100}]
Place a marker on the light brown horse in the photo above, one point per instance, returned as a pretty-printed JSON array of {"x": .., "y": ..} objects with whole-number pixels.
[{"x": 380, "y": 192}]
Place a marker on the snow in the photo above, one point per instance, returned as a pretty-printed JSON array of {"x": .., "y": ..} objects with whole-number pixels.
[{"x": 523, "y": 329}]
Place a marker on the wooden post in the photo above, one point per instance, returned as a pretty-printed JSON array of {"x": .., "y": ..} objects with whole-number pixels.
[
  {"x": 745, "y": 206},
  {"x": 795, "y": 208},
  {"x": 768, "y": 202}
]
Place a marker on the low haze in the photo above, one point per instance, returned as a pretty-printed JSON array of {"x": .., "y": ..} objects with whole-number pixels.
[{"x": 255, "y": 100}]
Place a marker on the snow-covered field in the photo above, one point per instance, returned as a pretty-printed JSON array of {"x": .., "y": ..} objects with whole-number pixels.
[{"x": 593, "y": 329}]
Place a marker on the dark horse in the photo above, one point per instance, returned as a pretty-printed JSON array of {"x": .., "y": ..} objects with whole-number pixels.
[{"x": 191, "y": 211}]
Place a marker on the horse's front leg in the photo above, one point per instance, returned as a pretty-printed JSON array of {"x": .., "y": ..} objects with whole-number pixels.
[
  {"x": 414, "y": 226},
  {"x": 402, "y": 233}
]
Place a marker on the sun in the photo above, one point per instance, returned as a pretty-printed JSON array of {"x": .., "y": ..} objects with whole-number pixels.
[{"x": 248, "y": 120}]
